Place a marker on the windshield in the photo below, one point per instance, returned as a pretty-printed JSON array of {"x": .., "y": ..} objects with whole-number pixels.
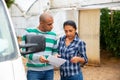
[{"x": 7, "y": 47}]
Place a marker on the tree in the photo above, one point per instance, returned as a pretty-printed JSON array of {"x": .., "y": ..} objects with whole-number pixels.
[{"x": 9, "y": 2}]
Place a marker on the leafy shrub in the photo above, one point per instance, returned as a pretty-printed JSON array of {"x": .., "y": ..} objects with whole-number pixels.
[{"x": 110, "y": 31}]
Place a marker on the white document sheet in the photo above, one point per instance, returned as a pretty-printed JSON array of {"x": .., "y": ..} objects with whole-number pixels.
[{"x": 56, "y": 61}]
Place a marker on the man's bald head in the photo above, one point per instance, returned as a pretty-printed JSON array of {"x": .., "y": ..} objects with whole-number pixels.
[
  {"x": 44, "y": 16},
  {"x": 46, "y": 22}
]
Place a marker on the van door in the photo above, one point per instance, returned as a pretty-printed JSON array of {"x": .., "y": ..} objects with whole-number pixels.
[{"x": 11, "y": 67}]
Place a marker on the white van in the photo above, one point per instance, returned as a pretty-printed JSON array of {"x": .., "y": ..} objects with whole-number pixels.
[{"x": 11, "y": 66}]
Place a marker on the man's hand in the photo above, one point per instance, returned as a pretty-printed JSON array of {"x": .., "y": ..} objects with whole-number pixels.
[{"x": 42, "y": 59}]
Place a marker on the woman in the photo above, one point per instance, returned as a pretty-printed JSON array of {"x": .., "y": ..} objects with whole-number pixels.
[{"x": 73, "y": 49}]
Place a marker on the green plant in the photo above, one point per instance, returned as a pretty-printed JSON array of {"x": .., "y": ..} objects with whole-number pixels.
[
  {"x": 9, "y": 2},
  {"x": 110, "y": 31}
]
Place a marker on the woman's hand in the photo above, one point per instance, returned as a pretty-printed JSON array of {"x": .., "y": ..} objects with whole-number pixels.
[{"x": 76, "y": 59}]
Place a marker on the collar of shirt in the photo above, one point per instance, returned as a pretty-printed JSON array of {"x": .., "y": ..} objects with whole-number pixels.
[{"x": 75, "y": 39}]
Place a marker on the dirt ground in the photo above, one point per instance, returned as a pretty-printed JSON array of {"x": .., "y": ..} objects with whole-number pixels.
[{"x": 109, "y": 69}]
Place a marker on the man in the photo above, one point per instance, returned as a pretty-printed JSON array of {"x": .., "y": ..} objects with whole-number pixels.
[{"x": 38, "y": 67}]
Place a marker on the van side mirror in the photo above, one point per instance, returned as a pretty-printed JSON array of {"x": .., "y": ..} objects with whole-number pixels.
[{"x": 33, "y": 43}]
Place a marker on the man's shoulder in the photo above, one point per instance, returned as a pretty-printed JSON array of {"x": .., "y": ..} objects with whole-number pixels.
[
  {"x": 31, "y": 29},
  {"x": 52, "y": 33}
]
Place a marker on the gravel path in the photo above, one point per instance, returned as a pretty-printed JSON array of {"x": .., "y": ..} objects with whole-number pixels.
[{"x": 108, "y": 70}]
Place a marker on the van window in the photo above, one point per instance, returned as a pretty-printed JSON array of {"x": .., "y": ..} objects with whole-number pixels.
[{"x": 7, "y": 42}]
